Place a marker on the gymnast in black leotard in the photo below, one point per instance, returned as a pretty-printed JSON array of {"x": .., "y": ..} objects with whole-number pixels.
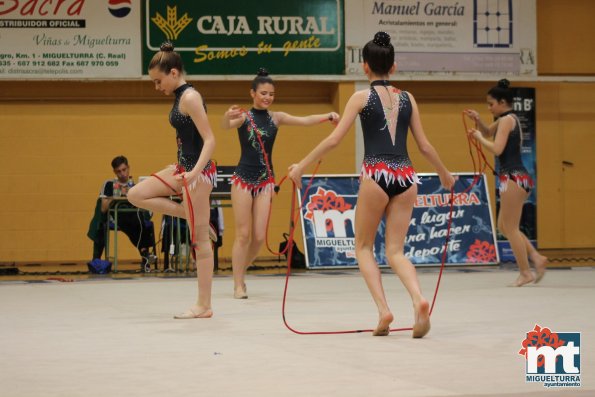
[
  {"x": 385, "y": 128},
  {"x": 388, "y": 182},
  {"x": 193, "y": 175},
  {"x": 254, "y": 180},
  {"x": 189, "y": 140},
  {"x": 515, "y": 183},
  {"x": 511, "y": 163},
  {"x": 254, "y": 172}
]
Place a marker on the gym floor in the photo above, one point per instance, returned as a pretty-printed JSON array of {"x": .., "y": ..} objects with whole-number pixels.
[{"x": 115, "y": 336}]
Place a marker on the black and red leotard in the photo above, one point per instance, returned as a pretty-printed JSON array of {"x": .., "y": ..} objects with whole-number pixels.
[
  {"x": 386, "y": 160},
  {"x": 511, "y": 163},
  {"x": 189, "y": 141},
  {"x": 254, "y": 172}
]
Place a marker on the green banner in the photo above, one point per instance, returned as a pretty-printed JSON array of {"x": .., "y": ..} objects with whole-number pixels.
[{"x": 238, "y": 37}]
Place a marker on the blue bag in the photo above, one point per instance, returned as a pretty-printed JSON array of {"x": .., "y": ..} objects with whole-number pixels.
[{"x": 99, "y": 266}]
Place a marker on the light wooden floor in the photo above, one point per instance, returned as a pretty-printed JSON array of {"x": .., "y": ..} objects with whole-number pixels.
[{"x": 116, "y": 337}]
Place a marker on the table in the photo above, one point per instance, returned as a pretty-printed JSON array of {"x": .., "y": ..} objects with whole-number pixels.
[
  {"x": 117, "y": 206},
  {"x": 121, "y": 204}
]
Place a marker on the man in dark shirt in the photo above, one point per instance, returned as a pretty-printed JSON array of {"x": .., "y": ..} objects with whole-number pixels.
[{"x": 136, "y": 225}]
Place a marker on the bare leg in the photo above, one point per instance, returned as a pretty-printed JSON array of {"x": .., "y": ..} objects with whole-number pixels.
[
  {"x": 540, "y": 261},
  {"x": 242, "y": 211},
  {"x": 398, "y": 215},
  {"x": 151, "y": 194},
  {"x": 203, "y": 250},
  {"x": 371, "y": 203},
  {"x": 251, "y": 241},
  {"x": 511, "y": 207},
  {"x": 260, "y": 214}
]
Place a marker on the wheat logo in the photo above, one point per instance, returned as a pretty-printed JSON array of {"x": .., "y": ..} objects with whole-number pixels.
[{"x": 172, "y": 26}]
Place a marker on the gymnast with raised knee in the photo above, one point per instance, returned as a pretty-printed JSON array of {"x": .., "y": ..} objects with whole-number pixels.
[{"x": 193, "y": 176}]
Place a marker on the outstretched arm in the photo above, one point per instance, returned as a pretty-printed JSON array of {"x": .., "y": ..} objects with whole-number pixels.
[
  {"x": 288, "y": 119},
  {"x": 353, "y": 107},
  {"x": 426, "y": 148}
]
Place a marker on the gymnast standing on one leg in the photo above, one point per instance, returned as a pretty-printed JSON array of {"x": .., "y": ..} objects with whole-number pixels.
[
  {"x": 515, "y": 183},
  {"x": 388, "y": 181},
  {"x": 194, "y": 170},
  {"x": 253, "y": 180}
]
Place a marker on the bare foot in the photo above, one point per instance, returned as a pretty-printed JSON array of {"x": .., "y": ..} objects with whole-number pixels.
[
  {"x": 240, "y": 292},
  {"x": 195, "y": 312},
  {"x": 522, "y": 280},
  {"x": 422, "y": 319},
  {"x": 540, "y": 262},
  {"x": 383, "y": 327}
]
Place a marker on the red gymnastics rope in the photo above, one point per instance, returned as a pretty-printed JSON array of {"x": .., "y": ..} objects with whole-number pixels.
[
  {"x": 477, "y": 168},
  {"x": 190, "y": 207},
  {"x": 289, "y": 256},
  {"x": 479, "y": 165},
  {"x": 289, "y": 248}
]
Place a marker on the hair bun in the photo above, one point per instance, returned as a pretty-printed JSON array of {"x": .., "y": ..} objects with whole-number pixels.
[
  {"x": 382, "y": 39},
  {"x": 167, "y": 46},
  {"x": 504, "y": 83},
  {"x": 262, "y": 72}
]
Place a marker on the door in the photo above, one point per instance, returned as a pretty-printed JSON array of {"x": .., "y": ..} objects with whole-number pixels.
[{"x": 578, "y": 171}]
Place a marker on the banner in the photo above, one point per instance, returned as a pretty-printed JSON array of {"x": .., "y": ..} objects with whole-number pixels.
[
  {"x": 69, "y": 39},
  {"x": 524, "y": 109},
  {"x": 232, "y": 37},
  {"x": 328, "y": 223},
  {"x": 445, "y": 37}
]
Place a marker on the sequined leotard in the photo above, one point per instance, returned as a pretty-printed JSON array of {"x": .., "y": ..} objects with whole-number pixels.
[
  {"x": 511, "y": 163},
  {"x": 252, "y": 173},
  {"x": 188, "y": 139},
  {"x": 386, "y": 160}
]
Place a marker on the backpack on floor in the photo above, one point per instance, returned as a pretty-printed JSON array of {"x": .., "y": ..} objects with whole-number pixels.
[{"x": 298, "y": 260}]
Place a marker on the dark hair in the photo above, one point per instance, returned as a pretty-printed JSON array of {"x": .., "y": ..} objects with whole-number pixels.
[
  {"x": 502, "y": 92},
  {"x": 262, "y": 77},
  {"x": 167, "y": 59},
  {"x": 118, "y": 161},
  {"x": 379, "y": 53}
]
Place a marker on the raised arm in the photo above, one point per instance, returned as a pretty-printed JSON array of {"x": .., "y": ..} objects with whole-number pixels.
[
  {"x": 192, "y": 104},
  {"x": 353, "y": 107},
  {"x": 426, "y": 148},
  {"x": 233, "y": 118},
  {"x": 505, "y": 125},
  {"x": 286, "y": 118}
]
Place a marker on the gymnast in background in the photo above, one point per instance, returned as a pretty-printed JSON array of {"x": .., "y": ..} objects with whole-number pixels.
[{"x": 514, "y": 181}]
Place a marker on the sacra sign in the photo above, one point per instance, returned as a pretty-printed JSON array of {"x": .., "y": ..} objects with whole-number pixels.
[{"x": 42, "y": 7}]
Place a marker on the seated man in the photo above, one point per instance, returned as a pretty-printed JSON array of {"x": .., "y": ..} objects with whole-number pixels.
[{"x": 136, "y": 225}]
